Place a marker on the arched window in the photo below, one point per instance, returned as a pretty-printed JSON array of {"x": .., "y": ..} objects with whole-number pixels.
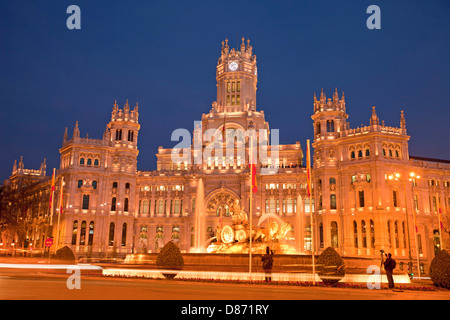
[
  {"x": 389, "y": 232},
  {"x": 332, "y": 201},
  {"x": 81, "y": 161},
  {"x": 119, "y": 134},
  {"x": 404, "y": 234},
  {"x": 352, "y": 155},
  {"x": 334, "y": 234},
  {"x": 125, "y": 205},
  {"x": 114, "y": 185},
  {"x": 360, "y": 154},
  {"x": 91, "y": 233},
  {"x": 96, "y": 163},
  {"x": 83, "y": 233},
  {"x": 113, "y": 204},
  {"x": 355, "y": 234},
  {"x": 397, "y": 243},
  {"x": 321, "y": 234},
  {"x": 330, "y": 126},
  {"x": 367, "y": 153},
  {"x": 89, "y": 162},
  {"x": 111, "y": 234},
  {"x": 74, "y": 232},
  {"x": 80, "y": 183},
  {"x": 94, "y": 184},
  {"x": 130, "y": 135},
  {"x": 124, "y": 235},
  {"x": 364, "y": 234},
  {"x": 372, "y": 234},
  {"x": 332, "y": 180}
]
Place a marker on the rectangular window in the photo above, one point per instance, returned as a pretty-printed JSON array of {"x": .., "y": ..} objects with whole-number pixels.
[
  {"x": 394, "y": 197},
  {"x": 361, "y": 198},
  {"x": 85, "y": 202},
  {"x": 333, "y": 201}
]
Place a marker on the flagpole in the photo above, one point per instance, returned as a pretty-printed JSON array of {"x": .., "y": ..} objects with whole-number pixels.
[
  {"x": 251, "y": 209},
  {"x": 311, "y": 210},
  {"x": 59, "y": 213},
  {"x": 415, "y": 229},
  {"x": 52, "y": 196},
  {"x": 439, "y": 221}
]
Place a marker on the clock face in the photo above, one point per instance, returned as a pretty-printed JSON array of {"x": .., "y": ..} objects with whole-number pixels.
[{"x": 233, "y": 66}]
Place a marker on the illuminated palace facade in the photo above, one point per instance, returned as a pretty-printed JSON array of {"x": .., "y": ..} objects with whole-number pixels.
[{"x": 364, "y": 200}]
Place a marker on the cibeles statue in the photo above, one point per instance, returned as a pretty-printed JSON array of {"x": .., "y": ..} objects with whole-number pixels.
[{"x": 238, "y": 215}]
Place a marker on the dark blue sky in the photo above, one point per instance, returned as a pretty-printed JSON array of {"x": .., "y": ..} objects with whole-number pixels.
[{"x": 163, "y": 54}]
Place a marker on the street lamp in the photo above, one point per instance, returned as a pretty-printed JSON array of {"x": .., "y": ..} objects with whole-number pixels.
[
  {"x": 396, "y": 176},
  {"x": 413, "y": 178}
]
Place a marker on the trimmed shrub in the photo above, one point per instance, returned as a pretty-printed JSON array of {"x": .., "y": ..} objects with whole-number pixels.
[
  {"x": 440, "y": 269},
  {"x": 331, "y": 268},
  {"x": 170, "y": 258},
  {"x": 65, "y": 253}
]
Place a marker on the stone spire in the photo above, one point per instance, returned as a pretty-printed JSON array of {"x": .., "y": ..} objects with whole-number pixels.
[
  {"x": 402, "y": 120},
  {"x": 76, "y": 131},
  {"x": 374, "y": 118},
  {"x": 66, "y": 136}
]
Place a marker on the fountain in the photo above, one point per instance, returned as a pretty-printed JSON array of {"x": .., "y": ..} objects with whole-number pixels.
[
  {"x": 235, "y": 238},
  {"x": 199, "y": 226}
]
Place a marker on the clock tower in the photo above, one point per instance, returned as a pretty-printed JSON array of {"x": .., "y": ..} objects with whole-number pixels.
[{"x": 236, "y": 76}]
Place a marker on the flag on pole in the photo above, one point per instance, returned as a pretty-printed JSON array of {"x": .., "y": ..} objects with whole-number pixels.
[
  {"x": 415, "y": 222},
  {"x": 61, "y": 197},
  {"x": 52, "y": 190},
  {"x": 52, "y": 194},
  {"x": 253, "y": 169},
  {"x": 308, "y": 168},
  {"x": 441, "y": 225}
]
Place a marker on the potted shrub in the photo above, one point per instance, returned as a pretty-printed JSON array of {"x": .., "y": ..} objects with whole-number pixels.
[
  {"x": 170, "y": 258},
  {"x": 440, "y": 269},
  {"x": 65, "y": 254},
  {"x": 331, "y": 268}
]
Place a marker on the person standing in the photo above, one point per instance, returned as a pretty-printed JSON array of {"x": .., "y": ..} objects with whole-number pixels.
[
  {"x": 389, "y": 266},
  {"x": 267, "y": 264}
]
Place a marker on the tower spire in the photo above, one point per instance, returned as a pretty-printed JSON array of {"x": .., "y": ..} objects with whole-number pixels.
[
  {"x": 374, "y": 118},
  {"x": 402, "y": 120},
  {"x": 76, "y": 131}
]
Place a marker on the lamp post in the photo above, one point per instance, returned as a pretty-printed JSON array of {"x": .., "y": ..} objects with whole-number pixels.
[
  {"x": 396, "y": 176},
  {"x": 413, "y": 183}
]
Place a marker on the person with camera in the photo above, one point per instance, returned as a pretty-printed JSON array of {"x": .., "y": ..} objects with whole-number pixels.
[
  {"x": 389, "y": 266},
  {"x": 267, "y": 263}
]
